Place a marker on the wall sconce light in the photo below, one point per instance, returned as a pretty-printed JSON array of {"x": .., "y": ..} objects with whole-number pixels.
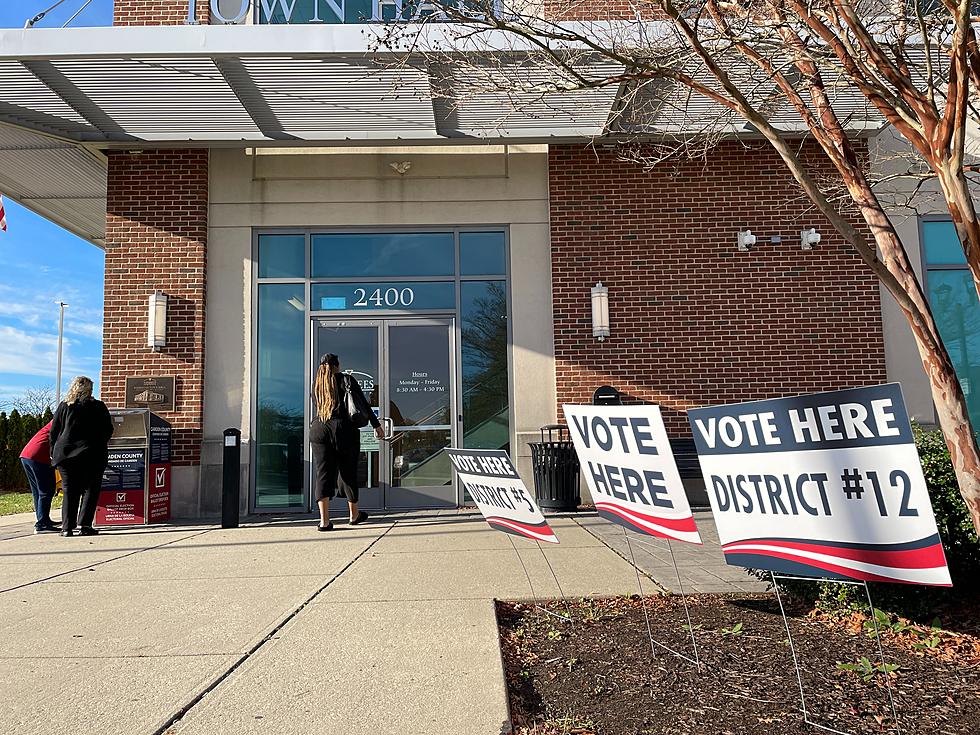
[
  {"x": 809, "y": 238},
  {"x": 157, "y": 332},
  {"x": 745, "y": 240},
  {"x": 600, "y": 311}
]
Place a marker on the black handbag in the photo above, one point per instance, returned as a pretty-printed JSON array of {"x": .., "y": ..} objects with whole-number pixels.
[{"x": 356, "y": 414}]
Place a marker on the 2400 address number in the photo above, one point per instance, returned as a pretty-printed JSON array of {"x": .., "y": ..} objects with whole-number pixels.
[{"x": 388, "y": 297}]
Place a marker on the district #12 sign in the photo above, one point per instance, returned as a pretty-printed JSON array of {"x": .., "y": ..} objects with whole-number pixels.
[
  {"x": 498, "y": 491},
  {"x": 824, "y": 485},
  {"x": 630, "y": 469}
]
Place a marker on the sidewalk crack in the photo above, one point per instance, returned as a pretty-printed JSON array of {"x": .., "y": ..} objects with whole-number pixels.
[{"x": 183, "y": 711}]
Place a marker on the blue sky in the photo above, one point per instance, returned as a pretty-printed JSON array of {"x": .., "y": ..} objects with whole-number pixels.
[{"x": 43, "y": 264}]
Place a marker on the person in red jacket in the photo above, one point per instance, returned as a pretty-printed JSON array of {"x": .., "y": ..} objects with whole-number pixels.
[{"x": 36, "y": 459}]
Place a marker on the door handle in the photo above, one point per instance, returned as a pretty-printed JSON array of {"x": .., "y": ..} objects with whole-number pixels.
[{"x": 389, "y": 426}]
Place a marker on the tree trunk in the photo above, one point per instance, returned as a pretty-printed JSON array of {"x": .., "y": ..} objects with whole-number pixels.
[
  {"x": 955, "y": 423},
  {"x": 947, "y": 395}
]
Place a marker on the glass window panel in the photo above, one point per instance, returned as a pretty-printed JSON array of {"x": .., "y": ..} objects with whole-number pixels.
[
  {"x": 419, "y": 375},
  {"x": 942, "y": 244},
  {"x": 393, "y": 254},
  {"x": 390, "y": 296},
  {"x": 953, "y": 298},
  {"x": 418, "y": 459},
  {"x": 282, "y": 256},
  {"x": 280, "y": 396},
  {"x": 482, "y": 254},
  {"x": 357, "y": 348},
  {"x": 483, "y": 315}
]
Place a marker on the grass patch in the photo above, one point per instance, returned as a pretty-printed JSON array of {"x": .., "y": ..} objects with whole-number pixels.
[{"x": 19, "y": 502}]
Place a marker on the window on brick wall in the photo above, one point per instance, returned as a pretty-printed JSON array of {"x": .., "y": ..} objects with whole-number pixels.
[{"x": 953, "y": 298}]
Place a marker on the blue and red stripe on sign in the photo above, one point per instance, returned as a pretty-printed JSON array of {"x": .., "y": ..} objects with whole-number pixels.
[
  {"x": 679, "y": 529},
  {"x": 914, "y": 562},
  {"x": 533, "y": 531}
]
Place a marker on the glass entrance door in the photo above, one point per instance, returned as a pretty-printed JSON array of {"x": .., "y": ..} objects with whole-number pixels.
[{"x": 406, "y": 369}]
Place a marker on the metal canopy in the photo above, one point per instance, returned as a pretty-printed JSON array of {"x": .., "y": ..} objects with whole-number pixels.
[
  {"x": 229, "y": 85},
  {"x": 70, "y": 93},
  {"x": 62, "y": 182}
]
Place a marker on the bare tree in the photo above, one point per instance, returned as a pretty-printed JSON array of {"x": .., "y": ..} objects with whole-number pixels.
[
  {"x": 33, "y": 401},
  {"x": 826, "y": 71}
]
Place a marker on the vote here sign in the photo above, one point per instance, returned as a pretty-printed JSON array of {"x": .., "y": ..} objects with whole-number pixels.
[
  {"x": 498, "y": 491},
  {"x": 630, "y": 470},
  {"x": 823, "y": 485}
]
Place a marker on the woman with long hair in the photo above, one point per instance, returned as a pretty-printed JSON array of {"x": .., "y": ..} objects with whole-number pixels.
[
  {"x": 335, "y": 439},
  {"x": 79, "y": 436}
]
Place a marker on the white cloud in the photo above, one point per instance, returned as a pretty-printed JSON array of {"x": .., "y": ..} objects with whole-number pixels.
[
  {"x": 29, "y": 353},
  {"x": 88, "y": 329}
]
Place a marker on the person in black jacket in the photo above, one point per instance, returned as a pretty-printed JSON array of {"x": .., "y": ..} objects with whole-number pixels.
[
  {"x": 335, "y": 440},
  {"x": 79, "y": 436}
]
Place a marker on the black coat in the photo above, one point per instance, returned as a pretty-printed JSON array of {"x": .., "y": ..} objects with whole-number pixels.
[{"x": 80, "y": 432}]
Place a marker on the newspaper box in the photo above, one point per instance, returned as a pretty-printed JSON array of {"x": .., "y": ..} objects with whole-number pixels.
[{"x": 136, "y": 482}]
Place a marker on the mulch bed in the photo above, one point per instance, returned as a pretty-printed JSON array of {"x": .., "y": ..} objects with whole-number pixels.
[{"x": 599, "y": 677}]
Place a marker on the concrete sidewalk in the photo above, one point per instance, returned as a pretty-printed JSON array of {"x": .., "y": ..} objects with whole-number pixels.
[
  {"x": 702, "y": 568},
  {"x": 274, "y": 628}
]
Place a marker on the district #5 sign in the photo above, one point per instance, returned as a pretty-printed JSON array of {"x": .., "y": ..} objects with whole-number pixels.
[
  {"x": 630, "y": 469},
  {"x": 491, "y": 480},
  {"x": 823, "y": 485}
]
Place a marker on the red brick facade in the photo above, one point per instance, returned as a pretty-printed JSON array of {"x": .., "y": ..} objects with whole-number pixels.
[
  {"x": 600, "y": 10},
  {"x": 156, "y": 12},
  {"x": 156, "y": 239},
  {"x": 694, "y": 321}
]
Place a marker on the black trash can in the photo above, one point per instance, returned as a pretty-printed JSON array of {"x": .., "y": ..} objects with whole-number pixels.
[{"x": 556, "y": 469}]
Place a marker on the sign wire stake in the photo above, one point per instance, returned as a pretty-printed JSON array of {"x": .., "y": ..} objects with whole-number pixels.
[
  {"x": 639, "y": 586},
  {"x": 534, "y": 597},
  {"x": 796, "y": 661},
  {"x": 568, "y": 609},
  {"x": 792, "y": 647},
  {"x": 667, "y": 648},
  {"x": 687, "y": 612},
  {"x": 881, "y": 652}
]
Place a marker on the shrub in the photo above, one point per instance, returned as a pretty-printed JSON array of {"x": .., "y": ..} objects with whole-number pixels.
[
  {"x": 955, "y": 526},
  {"x": 16, "y": 430}
]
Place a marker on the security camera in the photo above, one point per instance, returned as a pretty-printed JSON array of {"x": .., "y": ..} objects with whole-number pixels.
[
  {"x": 745, "y": 240},
  {"x": 809, "y": 238}
]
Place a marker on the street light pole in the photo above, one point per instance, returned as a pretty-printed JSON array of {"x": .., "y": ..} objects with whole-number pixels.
[{"x": 61, "y": 338}]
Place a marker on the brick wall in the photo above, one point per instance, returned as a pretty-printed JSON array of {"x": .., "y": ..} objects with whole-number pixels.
[
  {"x": 694, "y": 321},
  {"x": 156, "y": 12},
  {"x": 600, "y": 10},
  {"x": 156, "y": 239}
]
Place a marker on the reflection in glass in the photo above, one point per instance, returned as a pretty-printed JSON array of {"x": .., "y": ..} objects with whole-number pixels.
[
  {"x": 942, "y": 244},
  {"x": 482, "y": 254},
  {"x": 953, "y": 298},
  {"x": 418, "y": 459},
  {"x": 282, "y": 256},
  {"x": 419, "y": 379},
  {"x": 486, "y": 417},
  {"x": 384, "y": 255},
  {"x": 357, "y": 348},
  {"x": 305, "y": 11},
  {"x": 280, "y": 396}
]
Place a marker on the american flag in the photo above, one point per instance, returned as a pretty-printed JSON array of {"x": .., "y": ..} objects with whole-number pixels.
[{"x": 3, "y": 216}]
